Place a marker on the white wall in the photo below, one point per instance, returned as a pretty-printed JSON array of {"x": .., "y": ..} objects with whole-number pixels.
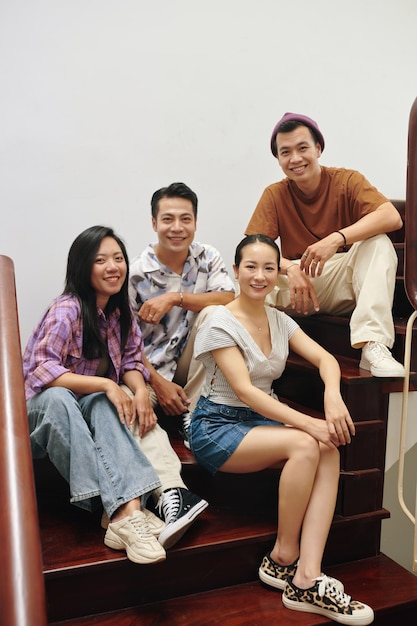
[{"x": 104, "y": 101}]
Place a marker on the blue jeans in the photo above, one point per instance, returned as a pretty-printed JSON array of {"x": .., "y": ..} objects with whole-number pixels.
[
  {"x": 91, "y": 449},
  {"x": 216, "y": 430}
]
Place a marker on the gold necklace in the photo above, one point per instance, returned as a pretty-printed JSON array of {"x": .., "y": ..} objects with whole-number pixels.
[{"x": 259, "y": 328}]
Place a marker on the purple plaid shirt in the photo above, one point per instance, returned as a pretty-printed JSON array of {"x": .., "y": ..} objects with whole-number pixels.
[{"x": 55, "y": 346}]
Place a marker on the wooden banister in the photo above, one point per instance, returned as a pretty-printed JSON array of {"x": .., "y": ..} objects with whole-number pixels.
[
  {"x": 410, "y": 274},
  {"x": 22, "y": 592},
  {"x": 410, "y": 283}
]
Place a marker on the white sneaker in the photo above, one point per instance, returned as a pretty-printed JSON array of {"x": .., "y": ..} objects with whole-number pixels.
[
  {"x": 377, "y": 359},
  {"x": 156, "y": 525},
  {"x": 133, "y": 535}
]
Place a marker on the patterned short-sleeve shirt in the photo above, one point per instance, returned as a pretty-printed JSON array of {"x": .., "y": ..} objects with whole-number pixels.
[{"x": 204, "y": 271}]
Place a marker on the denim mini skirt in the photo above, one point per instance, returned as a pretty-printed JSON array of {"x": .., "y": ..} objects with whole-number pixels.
[{"x": 216, "y": 430}]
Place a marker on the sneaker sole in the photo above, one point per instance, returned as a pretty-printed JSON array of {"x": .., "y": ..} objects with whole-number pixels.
[
  {"x": 115, "y": 543},
  {"x": 381, "y": 373},
  {"x": 360, "y": 620},
  {"x": 271, "y": 581},
  {"x": 173, "y": 532}
]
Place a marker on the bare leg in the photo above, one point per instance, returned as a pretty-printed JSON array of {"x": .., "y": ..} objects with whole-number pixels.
[
  {"x": 267, "y": 446},
  {"x": 318, "y": 517}
]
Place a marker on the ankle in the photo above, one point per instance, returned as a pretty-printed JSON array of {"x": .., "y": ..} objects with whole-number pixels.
[{"x": 283, "y": 558}]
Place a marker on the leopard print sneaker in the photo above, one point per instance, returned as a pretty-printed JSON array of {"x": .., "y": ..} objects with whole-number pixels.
[
  {"x": 325, "y": 599},
  {"x": 275, "y": 575}
]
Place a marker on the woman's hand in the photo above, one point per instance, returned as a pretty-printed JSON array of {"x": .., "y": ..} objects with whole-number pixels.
[
  {"x": 339, "y": 421},
  {"x": 144, "y": 412},
  {"x": 121, "y": 401},
  {"x": 319, "y": 429}
]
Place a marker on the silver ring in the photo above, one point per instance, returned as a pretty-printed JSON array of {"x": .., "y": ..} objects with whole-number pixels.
[{"x": 305, "y": 255}]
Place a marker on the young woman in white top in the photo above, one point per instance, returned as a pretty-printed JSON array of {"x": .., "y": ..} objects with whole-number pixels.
[{"x": 240, "y": 426}]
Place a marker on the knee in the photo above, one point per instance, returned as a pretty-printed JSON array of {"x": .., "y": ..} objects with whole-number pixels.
[
  {"x": 380, "y": 244},
  {"x": 330, "y": 455},
  {"x": 308, "y": 448},
  {"x": 53, "y": 396}
]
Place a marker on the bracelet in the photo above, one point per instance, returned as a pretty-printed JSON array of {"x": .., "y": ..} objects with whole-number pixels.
[
  {"x": 291, "y": 265},
  {"x": 344, "y": 238},
  {"x": 181, "y": 299}
]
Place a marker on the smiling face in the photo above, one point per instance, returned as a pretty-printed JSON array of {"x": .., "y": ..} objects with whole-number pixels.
[
  {"x": 258, "y": 270},
  {"x": 175, "y": 225},
  {"x": 108, "y": 272},
  {"x": 298, "y": 155}
]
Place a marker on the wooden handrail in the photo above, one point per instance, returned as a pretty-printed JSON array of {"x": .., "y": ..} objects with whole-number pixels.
[
  {"x": 410, "y": 270},
  {"x": 22, "y": 590},
  {"x": 410, "y": 283}
]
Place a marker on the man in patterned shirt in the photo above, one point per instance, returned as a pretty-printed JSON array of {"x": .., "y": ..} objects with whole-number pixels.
[{"x": 172, "y": 285}]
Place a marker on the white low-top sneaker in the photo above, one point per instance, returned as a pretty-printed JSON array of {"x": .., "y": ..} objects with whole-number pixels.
[
  {"x": 377, "y": 359},
  {"x": 156, "y": 525},
  {"x": 133, "y": 535}
]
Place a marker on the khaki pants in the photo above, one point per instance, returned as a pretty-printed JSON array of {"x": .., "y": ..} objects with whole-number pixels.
[
  {"x": 361, "y": 280},
  {"x": 155, "y": 444}
]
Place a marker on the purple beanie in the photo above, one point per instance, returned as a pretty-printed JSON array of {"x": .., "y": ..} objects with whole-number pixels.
[{"x": 295, "y": 117}]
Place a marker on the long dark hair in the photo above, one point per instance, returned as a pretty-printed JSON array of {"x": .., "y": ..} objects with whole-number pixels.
[
  {"x": 81, "y": 257},
  {"x": 258, "y": 238}
]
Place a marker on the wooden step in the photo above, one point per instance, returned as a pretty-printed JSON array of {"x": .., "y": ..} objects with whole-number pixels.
[
  {"x": 83, "y": 576},
  {"x": 378, "y": 581},
  {"x": 332, "y": 332}
]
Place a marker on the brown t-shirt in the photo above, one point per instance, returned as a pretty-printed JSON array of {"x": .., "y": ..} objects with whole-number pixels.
[{"x": 343, "y": 197}]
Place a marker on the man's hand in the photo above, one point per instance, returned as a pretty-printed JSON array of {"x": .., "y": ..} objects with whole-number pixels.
[
  {"x": 171, "y": 397},
  {"x": 316, "y": 255},
  {"x": 301, "y": 291},
  {"x": 154, "y": 309}
]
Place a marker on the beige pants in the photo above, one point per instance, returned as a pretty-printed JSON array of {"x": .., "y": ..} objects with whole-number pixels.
[
  {"x": 155, "y": 444},
  {"x": 361, "y": 280}
]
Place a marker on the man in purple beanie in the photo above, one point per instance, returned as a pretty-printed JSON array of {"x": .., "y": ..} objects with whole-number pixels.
[{"x": 336, "y": 256}]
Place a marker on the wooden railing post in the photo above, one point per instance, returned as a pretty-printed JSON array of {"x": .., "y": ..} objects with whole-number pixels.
[{"x": 22, "y": 591}]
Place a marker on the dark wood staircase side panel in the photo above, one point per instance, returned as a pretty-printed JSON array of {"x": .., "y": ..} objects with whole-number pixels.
[{"x": 376, "y": 581}]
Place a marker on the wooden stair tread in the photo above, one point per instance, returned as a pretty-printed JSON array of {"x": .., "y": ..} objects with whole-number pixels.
[
  {"x": 352, "y": 374},
  {"x": 76, "y": 540},
  {"x": 378, "y": 581}
]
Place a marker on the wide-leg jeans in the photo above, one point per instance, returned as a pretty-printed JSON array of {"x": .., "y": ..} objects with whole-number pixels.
[{"x": 91, "y": 449}]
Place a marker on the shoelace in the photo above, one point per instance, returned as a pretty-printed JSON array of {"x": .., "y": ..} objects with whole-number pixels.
[
  {"x": 326, "y": 585},
  {"x": 141, "y": 527},
  {"x": 378, "y": 350},
  {"x": 169, "y": 505},
  {"x": 186, "y": 421}
]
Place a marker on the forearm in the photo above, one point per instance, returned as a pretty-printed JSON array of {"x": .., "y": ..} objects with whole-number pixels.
[
  {"x": 80, "y": 384},
  {"x": 195, "y": 302},
  {"x": 134, "y": 380},
  {"x": 154, "y": 376},
  {"x": 272, "y": 408},
  {"x": 384, "y": 220}
]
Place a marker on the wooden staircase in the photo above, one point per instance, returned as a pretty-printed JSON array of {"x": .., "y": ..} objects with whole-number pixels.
[{"x": 210, "y": 576}]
